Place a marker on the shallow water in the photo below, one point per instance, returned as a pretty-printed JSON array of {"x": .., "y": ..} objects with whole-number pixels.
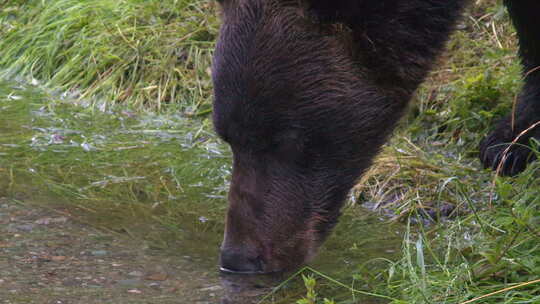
[{"x": 161, "y": 179}]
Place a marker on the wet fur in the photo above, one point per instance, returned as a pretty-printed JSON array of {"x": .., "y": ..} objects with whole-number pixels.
[{"x": 306, "y": 93}]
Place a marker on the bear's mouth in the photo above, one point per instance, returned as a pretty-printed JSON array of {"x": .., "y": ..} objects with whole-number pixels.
[{"x": 256, "y": 266}]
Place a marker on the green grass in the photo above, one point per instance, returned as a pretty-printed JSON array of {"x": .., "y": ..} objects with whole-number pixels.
[
  {"x": 154, "y": 54},
  {"x": 143, "y": 53},
  {"x": 491, "y": 241}
]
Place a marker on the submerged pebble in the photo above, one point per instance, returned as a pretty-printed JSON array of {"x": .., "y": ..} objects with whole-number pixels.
[
  {"x": 136, "y": 273},
  {"x": 98, "y": 252},
  {"x": 129, "y": 282},
  {"x": 20, "y": 227}
]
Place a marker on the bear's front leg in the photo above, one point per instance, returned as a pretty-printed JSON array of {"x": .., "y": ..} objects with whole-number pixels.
[{"x": 507, "y": 149}]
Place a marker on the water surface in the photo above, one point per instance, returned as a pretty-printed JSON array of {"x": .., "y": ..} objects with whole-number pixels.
[{"x": 161, "y": 180}]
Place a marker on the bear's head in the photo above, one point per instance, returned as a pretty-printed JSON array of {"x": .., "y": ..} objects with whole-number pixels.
[{"x": 303, "y": 124}]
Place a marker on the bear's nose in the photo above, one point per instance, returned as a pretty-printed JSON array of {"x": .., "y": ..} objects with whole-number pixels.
[{"x": 233, "y": 261}]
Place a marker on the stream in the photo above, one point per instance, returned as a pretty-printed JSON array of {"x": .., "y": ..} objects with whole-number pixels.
[{"x": 161, "y": 181}]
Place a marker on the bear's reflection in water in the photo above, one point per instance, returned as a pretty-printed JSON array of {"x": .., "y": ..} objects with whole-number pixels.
[{"x": 248, "y": 289}]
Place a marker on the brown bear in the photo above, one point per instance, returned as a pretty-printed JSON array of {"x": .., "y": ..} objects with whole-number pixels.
[{"x": 306, "y": 93}]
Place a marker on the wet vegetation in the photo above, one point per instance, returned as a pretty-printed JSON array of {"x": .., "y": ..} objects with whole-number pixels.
[{"x": 106, "y": 110}]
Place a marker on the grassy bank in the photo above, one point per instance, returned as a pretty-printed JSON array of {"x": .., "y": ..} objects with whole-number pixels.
[
  {"x": 142, "y": 53},
  {"x": 156, "y": 54},
  {"x": 489, "y": 239}
]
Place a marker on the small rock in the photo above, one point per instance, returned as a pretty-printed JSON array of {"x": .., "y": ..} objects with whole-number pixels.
[
  {"x": 154, "y": 285},
  {"x": 24, "y": 227},
  {"x": 157, "y": 277},
  {"x": 98, "y": 252},
  {"x": 136, "y": 273},
  {"x": 58, "y": 258},
  {"x": 134, "y": 291},
  {"x": 212, "y": 288},
  {"x": 71, "y": 283},
  {"x": 49, "y": 220},
  {"x": 129, "y": 282}
]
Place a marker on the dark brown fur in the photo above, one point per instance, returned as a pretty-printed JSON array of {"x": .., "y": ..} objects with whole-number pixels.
[{"x": 306, "y": 92}]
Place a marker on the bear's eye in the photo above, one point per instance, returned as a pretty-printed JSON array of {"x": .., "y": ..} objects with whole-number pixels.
[{"x": 289, "y": 145}]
